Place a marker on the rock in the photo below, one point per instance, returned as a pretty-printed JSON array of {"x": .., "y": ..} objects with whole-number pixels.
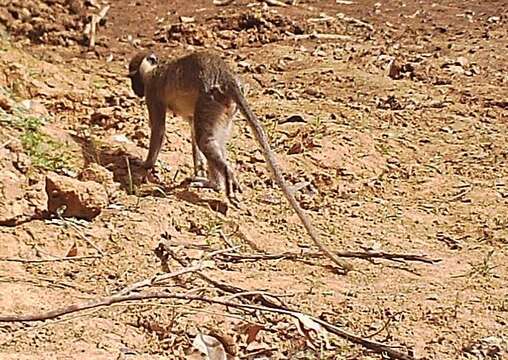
[
  {"x": 97, "y": 173},
  {"x": 296, "y": 118},
  {"x": 82, "y": 199},
  {"x": 462, "y": 61},
  {"x": 34, "y": 107},
  {"x": 5, "y": 102},
  {"x": 22, "y": 162},
  {"x": 119, "y": 138},
  {"x": 11, "y": 203},
  {"x": 456, "y": 69},
  {"x": 36, "y": 200},
  {"x": 394, "y": 70},
  {"x": 18, "y": 204}
]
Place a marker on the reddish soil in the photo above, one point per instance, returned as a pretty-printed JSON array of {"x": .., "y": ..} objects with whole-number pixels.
[{"x": 402, "y": 146}]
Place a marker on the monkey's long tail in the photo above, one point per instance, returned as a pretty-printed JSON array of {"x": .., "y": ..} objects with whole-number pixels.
[{"x": 277, "y": 172}]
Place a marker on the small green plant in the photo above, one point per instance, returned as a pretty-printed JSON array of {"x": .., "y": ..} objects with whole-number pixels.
[
  {"x": 482, "y": 268},
  {"x": 44, "y": 152},
  {"x": 99, "y": 83},
  {"x": 317, "y": 123},
  {"x": 213, "y": 228},
  {"x": 271, "y": 130},
  {"x": 232, "y": 151}
]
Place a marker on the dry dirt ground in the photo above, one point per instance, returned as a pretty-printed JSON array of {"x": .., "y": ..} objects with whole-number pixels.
[{"x": 394, "y": 133}]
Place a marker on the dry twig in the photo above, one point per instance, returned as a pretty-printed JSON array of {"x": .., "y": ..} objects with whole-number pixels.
[
  {"x": 322, "y": 37},
  {"x": 109, "y": 300},
  {"x": 44, "y": 260},
  {"x": 352, "y": 20},
  {"x": 276, "y": 3},
  {"x": 367, "y": 255},
  {"x": 158, "y": 279}
]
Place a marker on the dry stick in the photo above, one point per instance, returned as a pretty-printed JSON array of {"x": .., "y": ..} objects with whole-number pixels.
[
  {"x": 460, "y": 194},
  {"x": 109, "y": 300},
  {"x": 93, "y": 26},
  {"x": 352, "y": 20},
  {"x": 129, "y": 173},
  {"x": 276, "y": 3},
  {"x": 225, "y": 238},
  {"x": 221, "y": 286},
  {"x": 322, "y": 37},
  {"x": 96, "y": 19},
  {"x": 222, "y": 2},
  {"x": 44, "y": 260},
  {"x": 348, "y": 254},
  {"x": 242, "y": 293},
  {"x": 158, "y": 279}
]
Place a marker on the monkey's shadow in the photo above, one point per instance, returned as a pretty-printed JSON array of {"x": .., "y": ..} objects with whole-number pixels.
[{"x": 128, "y": 171}]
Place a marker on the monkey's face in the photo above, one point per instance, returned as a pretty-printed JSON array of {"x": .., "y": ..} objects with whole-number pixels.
[{"x": 141, "y": 64}]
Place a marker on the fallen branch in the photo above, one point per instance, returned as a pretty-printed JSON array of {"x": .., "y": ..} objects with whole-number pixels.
[
  {"x": 227, "y": 288},
  {"x": 158, "y": 279},
  {"x": 44, "y": 260},
  {"x": 110, "y": 300},
  {"x": 367, "y": 255}
]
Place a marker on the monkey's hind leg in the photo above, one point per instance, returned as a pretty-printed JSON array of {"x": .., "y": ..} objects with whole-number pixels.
[
  {"x": 198, "y": 158},
  {"x": 211, "y": 131}
]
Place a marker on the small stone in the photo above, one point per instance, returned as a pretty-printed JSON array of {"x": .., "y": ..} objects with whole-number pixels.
[
  {"x": 462, "y": 61},
  {"x": 97, "y": 173},
  {"x": 5, "y": 102},
  {"x": 34, "y": 107},
  {"x": 293, "y": 119}
]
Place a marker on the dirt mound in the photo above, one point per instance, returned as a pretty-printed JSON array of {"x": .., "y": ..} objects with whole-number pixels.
[
  {"x": 232, "y": 30},
  {"x": 54, "y": 22}
]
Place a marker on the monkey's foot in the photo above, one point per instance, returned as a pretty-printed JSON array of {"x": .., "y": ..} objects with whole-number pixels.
[
  {"x": 232, "y": 186},
  {"x": 202, "y": 183},
  {"x": 153, "y": 176},
  {"x": 200, "y": 173},
  {"x": 233, "y": 200}
]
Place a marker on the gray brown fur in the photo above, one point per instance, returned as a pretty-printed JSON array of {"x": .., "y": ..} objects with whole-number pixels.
[{"x": 201, "y": 88}]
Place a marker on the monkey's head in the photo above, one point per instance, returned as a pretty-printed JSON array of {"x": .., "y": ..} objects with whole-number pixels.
[{"x": 141, "y": 64}]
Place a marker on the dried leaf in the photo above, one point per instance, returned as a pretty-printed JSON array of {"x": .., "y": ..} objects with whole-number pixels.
[
  {"x": 210, "y": 346},
  {"x": 252, "y": 332},
  {"x": 308, "y": 324},
  {"x": 305, "y": 325},
  {"x": 296, "y": 148},
  {"x": 73, "y": 250}
]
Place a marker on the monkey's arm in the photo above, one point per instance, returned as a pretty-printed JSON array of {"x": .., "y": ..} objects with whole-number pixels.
[{"x": 157, "y": 121}]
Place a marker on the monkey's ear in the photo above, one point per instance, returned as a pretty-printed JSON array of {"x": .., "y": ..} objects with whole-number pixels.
[{"x": 152, "y": 59}]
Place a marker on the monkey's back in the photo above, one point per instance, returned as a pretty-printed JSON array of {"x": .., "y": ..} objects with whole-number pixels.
[{"x": 205, "y": 70}]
